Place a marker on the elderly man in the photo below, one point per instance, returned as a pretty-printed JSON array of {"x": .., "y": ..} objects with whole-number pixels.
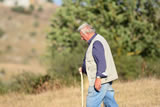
[{"x": 99, "y": 66}]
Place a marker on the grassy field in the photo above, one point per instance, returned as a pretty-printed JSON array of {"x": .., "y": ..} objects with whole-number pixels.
[{"x": 139, "y": 93}]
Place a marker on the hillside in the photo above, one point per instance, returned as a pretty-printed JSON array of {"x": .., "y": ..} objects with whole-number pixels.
[{"x": 23, "y": 42}]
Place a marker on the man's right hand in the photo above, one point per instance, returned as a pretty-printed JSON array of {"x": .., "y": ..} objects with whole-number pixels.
[
  {"x": 80, "y": 69},
  {"x": 97, "y": 84}
]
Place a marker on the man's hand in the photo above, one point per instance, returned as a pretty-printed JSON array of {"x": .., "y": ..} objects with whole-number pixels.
[
  {"x": 97, "y": 84},
  {"x": 80, "y": 69}
]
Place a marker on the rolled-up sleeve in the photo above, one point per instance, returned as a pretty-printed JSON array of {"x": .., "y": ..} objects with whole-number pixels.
[{"x": 99, "y": 57}]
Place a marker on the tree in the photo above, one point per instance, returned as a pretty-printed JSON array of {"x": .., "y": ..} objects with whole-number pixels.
[{"x": 130, "y": 26}]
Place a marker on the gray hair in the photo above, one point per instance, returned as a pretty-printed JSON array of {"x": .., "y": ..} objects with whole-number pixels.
[{"x": 90, "y": 30}]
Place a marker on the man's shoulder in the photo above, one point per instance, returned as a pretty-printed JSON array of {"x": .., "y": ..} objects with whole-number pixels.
[
  {"x": 99, "y": 38},
  {"x": 97, "y": 43}
]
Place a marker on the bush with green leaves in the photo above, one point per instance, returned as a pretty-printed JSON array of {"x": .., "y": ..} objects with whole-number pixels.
[
  {"x": 26, "y": 83},
  {"x": 131, "y": 27},
  {"x": 3, "y": 88},
  {"x": 129, "y": 67}
]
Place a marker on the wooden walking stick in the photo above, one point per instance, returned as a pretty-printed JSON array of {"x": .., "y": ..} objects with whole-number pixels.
[{"x": 82, "y": 88}]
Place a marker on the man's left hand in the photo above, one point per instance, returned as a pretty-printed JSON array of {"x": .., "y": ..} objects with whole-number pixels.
[{"x": 97, "y": 84}]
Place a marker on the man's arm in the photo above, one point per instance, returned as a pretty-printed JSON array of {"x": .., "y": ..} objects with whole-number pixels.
[
  {"x": 99, "y": 57},
  {"x": 83, "y": 67}
]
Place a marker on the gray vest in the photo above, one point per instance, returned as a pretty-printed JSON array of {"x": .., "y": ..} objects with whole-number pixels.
[{"x": 91, "y": 67}]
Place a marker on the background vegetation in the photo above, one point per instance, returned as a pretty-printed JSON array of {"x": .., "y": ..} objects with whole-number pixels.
[{"x": 131, "y": 27}]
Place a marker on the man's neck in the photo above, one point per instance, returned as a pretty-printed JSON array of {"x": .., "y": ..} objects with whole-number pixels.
[
  {"x": 90, "y": 36},
  {"x": 90, "y": 40}
]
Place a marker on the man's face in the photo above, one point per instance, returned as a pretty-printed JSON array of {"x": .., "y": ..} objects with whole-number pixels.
[{"x": 83, "y": 36}]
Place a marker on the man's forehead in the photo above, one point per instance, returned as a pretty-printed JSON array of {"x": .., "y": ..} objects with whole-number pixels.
[
  {"x": 82, "y": 26},
  {"x": 85, "y": 28}
]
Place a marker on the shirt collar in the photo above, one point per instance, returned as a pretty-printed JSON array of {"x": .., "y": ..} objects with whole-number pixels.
[{"x": 90, "y": 40}]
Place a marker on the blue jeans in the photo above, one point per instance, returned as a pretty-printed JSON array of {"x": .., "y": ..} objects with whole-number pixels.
[{"x": 105, "y": 95}]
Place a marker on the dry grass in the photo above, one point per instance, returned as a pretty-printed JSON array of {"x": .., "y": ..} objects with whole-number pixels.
[
  {"x": 12, "y": 70},
  {"x": 139, "y": 93}
]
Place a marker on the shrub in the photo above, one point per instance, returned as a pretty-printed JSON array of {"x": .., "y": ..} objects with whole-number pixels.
[
  {"x": 31, "y": 8},
  {"x": 24, "y": 82},
  {"x": 3, "y": 88},
  {"x": 135, "y": 67},
  {"x": 40, "y": 9},
  {"x": 151, "y": 68},
  {"x": 27, "y": 83},
  {"x": 32, "y": 34},
  {"x": 30, "y": 83},
  {"x": 66, "y": 68},
  {"x": 20, "y": 9},
  {"x": 2, "y": 71},
  {"x": 129, "y": 67}
]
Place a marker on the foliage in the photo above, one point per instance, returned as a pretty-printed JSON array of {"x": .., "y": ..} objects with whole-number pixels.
[
  {"x": 2, "y": 71},
  {"x": 3, "y": 88},
  {"x": 20, "y": 9},
  {"x": 26, "y": 83},
  {"x": 50, "y": 1},
  {"x": 64, "y": 66},
  {"x": 131, "y": 27},
  {"x": 129, "y": 68},
  {"x": 151, "y": 68},
  {"x": 32, "y": 34},
  {"x": 31, "y": 8},
  {"x": 40, "y": 9}
]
